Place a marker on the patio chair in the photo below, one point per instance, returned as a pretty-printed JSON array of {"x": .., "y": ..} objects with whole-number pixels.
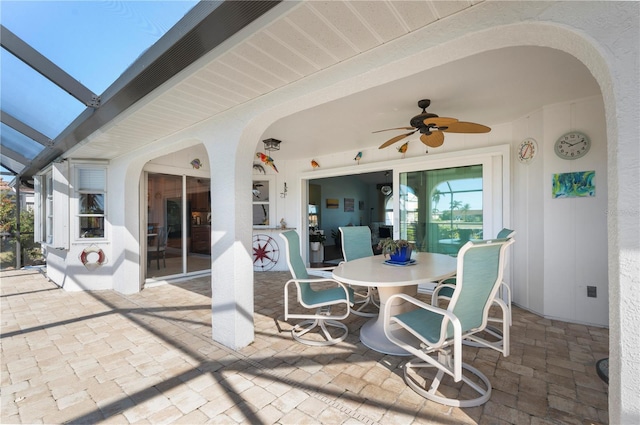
[
  {"x": 434, "y": 335},
  {"x": 499, "y": 338},
  {"x": 356, "y": 243},
  {"x": 320, "y": 300},
  {"x": 157, "y": 246}
]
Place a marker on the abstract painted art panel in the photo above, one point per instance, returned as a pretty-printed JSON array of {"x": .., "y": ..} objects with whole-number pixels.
[{"x": 574, "y": 185}]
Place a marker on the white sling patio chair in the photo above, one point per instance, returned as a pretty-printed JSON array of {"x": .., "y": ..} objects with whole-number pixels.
[
  {"x": 319, "y": 300},
  {"x": 498, "y": 339},
  {"x": 434, "y": 335},
  {"x": 356, "y": 243}
]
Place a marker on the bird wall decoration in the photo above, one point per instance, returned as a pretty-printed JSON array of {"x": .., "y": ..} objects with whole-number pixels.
[
  {"x": 403, "y": 149},
  {"x": 267, "y": 160},
  {"x": 314, "y": 164},
  {"x": 358, "y": 157}
]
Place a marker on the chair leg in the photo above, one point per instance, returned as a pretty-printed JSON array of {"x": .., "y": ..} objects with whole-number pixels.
[
  {"x": 307, "y": 326},
  {"x": 497, "y": 339},
  {"x": 474, "y": 379},
  {"x": 368, "y": 299}
]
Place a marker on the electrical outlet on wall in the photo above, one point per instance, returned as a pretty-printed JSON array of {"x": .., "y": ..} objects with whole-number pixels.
[{"x": 592, "y": 292}]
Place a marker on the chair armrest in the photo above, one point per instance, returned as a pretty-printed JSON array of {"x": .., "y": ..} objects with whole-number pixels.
[
  {"x": 448, "y": 314},
  {"x": 310, "y": 269},
  {"x": 436, "y": 292},
  {"x": 321, "y": 271},
  {"x": 344, "y": 287}
]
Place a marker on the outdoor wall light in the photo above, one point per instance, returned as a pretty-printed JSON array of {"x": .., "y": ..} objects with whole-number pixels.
[{"x": 271, "y": 144}]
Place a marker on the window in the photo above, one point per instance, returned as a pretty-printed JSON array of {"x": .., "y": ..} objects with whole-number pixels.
[
  {"x": 47, "y": 208},
  {"x": 441, "y": 209},
  {"x": 90, "y": 196},
  {"x": 51, "y": 213},
  {"x": 261, "y": 196}
]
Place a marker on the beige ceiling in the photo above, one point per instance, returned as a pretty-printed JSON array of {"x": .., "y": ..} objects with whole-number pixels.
[{"x": 492, "y": 88}]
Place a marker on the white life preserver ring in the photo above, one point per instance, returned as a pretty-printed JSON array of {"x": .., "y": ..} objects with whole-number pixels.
[{"x": 95, "y": 261}]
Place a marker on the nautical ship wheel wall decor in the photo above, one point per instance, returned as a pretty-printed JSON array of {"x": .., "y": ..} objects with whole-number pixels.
[{"x": 266, "y": 252}]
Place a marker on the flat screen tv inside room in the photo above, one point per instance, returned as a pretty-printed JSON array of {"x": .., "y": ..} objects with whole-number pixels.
[{"x": 385, "y": 232}]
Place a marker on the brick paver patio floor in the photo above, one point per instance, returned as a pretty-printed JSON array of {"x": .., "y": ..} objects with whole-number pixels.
[{"x": 104, "y": 357}]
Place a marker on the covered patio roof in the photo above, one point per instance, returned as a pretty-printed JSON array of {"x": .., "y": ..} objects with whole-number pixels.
[{"x": 250, "y": 53}]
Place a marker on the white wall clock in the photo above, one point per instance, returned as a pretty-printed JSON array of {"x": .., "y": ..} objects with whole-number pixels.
[
  {"x": 572, "y": 145},
  {"x": 527, "y": 150}
]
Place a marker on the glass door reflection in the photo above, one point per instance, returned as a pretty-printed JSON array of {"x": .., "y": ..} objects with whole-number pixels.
[{"x": 178, "y": 226}]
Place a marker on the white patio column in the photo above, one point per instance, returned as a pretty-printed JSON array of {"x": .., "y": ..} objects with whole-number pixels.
[{"x": 231, "y": 260}]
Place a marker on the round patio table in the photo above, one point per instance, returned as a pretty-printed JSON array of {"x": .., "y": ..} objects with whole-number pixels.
[{"x": 390, "y": 280}]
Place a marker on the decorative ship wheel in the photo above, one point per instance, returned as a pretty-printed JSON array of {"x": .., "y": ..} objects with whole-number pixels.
[{"x": 265, "y": 252}]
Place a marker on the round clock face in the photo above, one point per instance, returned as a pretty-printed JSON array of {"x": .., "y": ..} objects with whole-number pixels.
[
  {"x": 527, "y": 150},
  {"x": 572, "y": 145}
]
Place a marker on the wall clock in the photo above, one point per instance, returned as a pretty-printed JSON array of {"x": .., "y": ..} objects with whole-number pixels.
[
  {"x": 527, "y": 150},
  {"x": 572, "y": 145}
]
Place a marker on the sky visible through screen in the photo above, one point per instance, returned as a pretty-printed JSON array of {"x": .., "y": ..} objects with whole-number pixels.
[{"x": 93, "y": 41}]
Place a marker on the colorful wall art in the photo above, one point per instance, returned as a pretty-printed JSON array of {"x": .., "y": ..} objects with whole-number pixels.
[
  {"x": 574, "y": 185},
  {"x": 332, "y": 203},
  {"x": 349, "y": 204}
]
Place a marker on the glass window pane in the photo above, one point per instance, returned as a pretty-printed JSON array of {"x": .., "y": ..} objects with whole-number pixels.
[
  {"x": 440, "y": 210},
  {"x": 92, "y": 227},
  {"x": 260, "y": 214},
  {"x": 20, "y": 143},
  {"x": 261, "y": 191},
  {"x": 91, "y": 203},
  {"x": 34, "y": 100}
]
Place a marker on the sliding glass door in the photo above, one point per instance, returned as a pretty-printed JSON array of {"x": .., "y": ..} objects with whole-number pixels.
[
  {"x": 178, "y": 225},
  {"x": 441, "y": 209}
]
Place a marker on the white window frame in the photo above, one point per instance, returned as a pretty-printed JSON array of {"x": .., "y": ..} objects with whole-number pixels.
[
  {"x": 496, "y": 162},
  {"x": 52, "y": 206},
  {"x": 75, "y": 202},
  {"x": 271, "y": 203}
]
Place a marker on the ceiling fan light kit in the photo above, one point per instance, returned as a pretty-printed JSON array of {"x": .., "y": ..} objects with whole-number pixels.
[{"x": 432, "y": 127}]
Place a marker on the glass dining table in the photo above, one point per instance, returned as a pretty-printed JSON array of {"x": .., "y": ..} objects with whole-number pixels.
[{"x": 392, "y": 279}]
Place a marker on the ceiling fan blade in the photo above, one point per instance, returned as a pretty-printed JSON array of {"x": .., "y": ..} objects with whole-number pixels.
[
  {"x": 395, "y": 139},
  {"x": 466, "y": 127},
  {"x": 399, "y": 128},
  {"x": 439, "y": 121},
  {"x": 433, "y": 140}
]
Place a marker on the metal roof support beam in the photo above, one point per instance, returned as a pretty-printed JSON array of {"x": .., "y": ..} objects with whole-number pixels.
[
  {"x": 48, "y": 69},
  {"x": 25, "y": 129},
  {"x": 10, "y": 153}
]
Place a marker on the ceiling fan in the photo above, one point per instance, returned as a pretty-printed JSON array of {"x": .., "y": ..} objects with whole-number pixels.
[{"x": 433, "y": 127}]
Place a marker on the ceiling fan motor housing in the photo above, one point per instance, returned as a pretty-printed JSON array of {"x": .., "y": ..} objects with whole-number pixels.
[{"x": 418, "y": 120}]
